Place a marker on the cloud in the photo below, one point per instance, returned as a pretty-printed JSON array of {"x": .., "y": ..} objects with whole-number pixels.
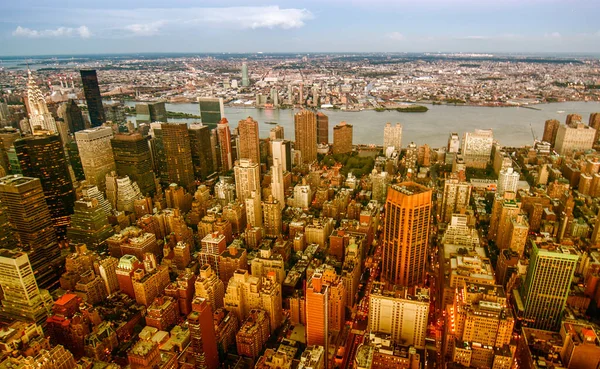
[
  {"x": 252, "y": 17},
  {"x": 476, "y": 38},
  {"x": 553, "y": 35},
  {"x": 396, "y": 36},
  {"x": 82, "y": 32},
  {"x": 146, "y": 29}
]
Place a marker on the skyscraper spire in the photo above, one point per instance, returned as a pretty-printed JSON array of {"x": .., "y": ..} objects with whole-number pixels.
[{"x": 39, "y": 116}]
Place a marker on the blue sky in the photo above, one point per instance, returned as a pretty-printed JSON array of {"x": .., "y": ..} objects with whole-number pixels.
[{"x": 30, "y": 27}]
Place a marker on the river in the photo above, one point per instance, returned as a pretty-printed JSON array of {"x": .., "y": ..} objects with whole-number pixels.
[{"x": 511, "y": 125}]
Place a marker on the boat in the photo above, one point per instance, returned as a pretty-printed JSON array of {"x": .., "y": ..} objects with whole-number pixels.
[
  {"x": 271, "y": 122},
  {"x": 560, "y": 111}
]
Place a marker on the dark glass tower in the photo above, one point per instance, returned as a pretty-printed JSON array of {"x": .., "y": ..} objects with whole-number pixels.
[
  {"x": 42, "y": 157},
  {"x": 202, "y": 156},
  {"x": 133, "y": 159},
  {"x": 92, "y": 97},
  {"x": 151, "y": 112},
  {"x": 73, "y": 116}
]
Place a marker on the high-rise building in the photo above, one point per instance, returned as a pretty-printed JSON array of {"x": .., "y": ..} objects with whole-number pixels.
[
  {"x": 72, "y": 116},
  {"x": 282, "y": 151},
  {"x": 305, "y": 123},
  {"x": 253, "y": 334},
  {"x": 574, "y": 137},
  {"x": 210, "y": 287},
  {"x": 400, "y": 314},
  {"x": 133, "y": 159},
  {"x": 277, "y": 185},
  {"x": 23, "y": 198},
  {"x": 455, "y": 198},
  {"x": 508, "y": 180},
  {"x": 225, "y": 157},
  {"x": 504, "y": 208},
  {"x": 91, "y": 90},
  {"x": 342, "y": 138},
  {"x": 8, "y": 135},
  {"x": 276, "y": 133},
  {"x": 406, "y": 234},
  {"x": 272, "y": 217},
  {"x": 245, "y": 79},
  {"x": 211, "y": 110},
  {"x": 40, "y": 117},
  {"x": 247, "y": 179},
  {"x": 151, "y": 112},
  {"x": 8, "y": 240},
  {"x": 544, "y": 291},
  {"x": 202, "y": 155},
  {"x": 89, "y": 224},
  {"x": 477, "y": 148},
  {"x": 21, "y": 297},
  {"x": 254, "y": 210},
  {"x": 176, "y": 142},
  {"x": 96, "y": 154},
  {"x": 43, "y": 157},
  {"x": 392, "y": 136},
  {"x": 322, "y": 128},
  {"x": 202, "y": 335},
  {"x": 248, "y": 136},
  {"x": 453, "y": 142},
  {"x": 595, "y": 124},
  {"x": 550, "y": 131}
]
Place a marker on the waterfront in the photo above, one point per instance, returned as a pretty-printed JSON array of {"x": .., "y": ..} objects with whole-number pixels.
[{"x": 511, "y": 125}]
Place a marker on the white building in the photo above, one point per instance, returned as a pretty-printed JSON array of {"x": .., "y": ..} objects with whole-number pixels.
[
  {"x": 247, "y": 178},
  {"x": 508, "y": 180},
  {"x": 392, "y": 136},
  {"x": 477, "y": 148},
  {"x": 96, "y": 154}
]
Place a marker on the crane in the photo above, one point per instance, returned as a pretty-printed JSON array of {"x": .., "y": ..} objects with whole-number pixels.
[{"x": 533, "y": 133}]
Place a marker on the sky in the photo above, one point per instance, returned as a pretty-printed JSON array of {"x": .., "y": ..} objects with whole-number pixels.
[{"x": 43, "y": 27}]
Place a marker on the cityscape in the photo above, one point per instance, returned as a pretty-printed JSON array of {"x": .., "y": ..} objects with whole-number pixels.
[{"x": 297, "y": 210}]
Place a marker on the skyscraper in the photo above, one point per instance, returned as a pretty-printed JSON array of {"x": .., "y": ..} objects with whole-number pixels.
[
  {"x": 272, "y": 217},
  {"x": 248, "y": 136},
  {"x": 306, "y": 135},
  {"x": 151, "y": 112},
  {"x": 455, "y": 198},
  {"x": 39, "y": 116},
  {"x": 254, "y": 210},
  {"x": 477, "y": 148},
  {"x": 23, "y": 198},
  {"x": 245, "y": 79},
  {"x": 247, "y": 178},
  {"x": 277, "y": 185},
  {"x": 546, "y": 287},
  {"x": 342, "y": 138},
  {"x": 550, "y": 130},
  {"x": 276, "y": 133},
  {"x": 202, "y": 153},
  {"x": 21, "y": 298},
  {"x": 282, "y": 151},
  {"x": 322, "y": 128},
  {"x": 573, "y": 138},
  {"x": 406, "y": 234},
  {"x": 392, "y": 136},
  {"x": 8, "y": 135},
  {"x": 508, "y": 180},
  {"x": 224, "y": 142},
  {"x": 71, "y": 114},
  {"x": 595, "y": 124},
  {"x": 211, "y": 110},
  {"x": 131, "y": 152},
  {"x": 43, "y": 157},
  {"x": 176, "y": 142},
  {"x": 202, "y": 335},
  {"x": 91, "y": 90},
  {"x": 89, "y": 224},
  {"x": 96, "y": 154}
]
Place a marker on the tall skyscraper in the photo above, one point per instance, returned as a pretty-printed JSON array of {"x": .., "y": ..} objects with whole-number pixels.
[
  {"x": 508, "y": 180},
  {"x": 272, "y": 217},
  {"x": 342, "y": 138},
  {"x": 176, "y": 142},
  {"x": 202, "y": 335},
  {"x": 247, "y": 178},
  {"x": 254, "y": 209},
  {"x": 248, "y": 136},
  {"x": 23, "y": 198},
  {"x": 406, "y": 234},
  {"x": 245, "y": 79},
  {"x": 71, "y": 114},
  {"x": 546, "y": 286},
  {"x": 455, "y": 198},
  {"x": 277, "y": 185},
  {"x": 477, "y": 148},
  {"x": 282, "y": 151},
  {"x": 151, "y": 112},
  {"x": 21, "y": 297},
  {"x": 96, "y": 154},
  {"x": 131, "y": 152},
  {"x": 306, "y": 135},
  {"x": 573, "y": 138},
  {"x": 392, "y": 136},
  {"x": 202, "y": 153},
  {"x": 550, "y": 130},
  {"x": 224, "y": 142},
  {"x": 322, "y": 128},
  {"x": 39, "y": 116},
  {"x": 8, "y": 240},
  {"x": 211, "y": 110},
  {"x": 8, "y": 135},
  {"x": 91, "y": 90},
  {"x": 43, "y": 157},
  {"x": 89, "y": 224}
]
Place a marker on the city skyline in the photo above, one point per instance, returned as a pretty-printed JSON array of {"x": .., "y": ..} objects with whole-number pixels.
[{"x": 31, "y": 28}]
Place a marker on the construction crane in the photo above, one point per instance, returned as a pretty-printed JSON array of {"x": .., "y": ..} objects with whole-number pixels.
[{"x": 533, "y": 133}]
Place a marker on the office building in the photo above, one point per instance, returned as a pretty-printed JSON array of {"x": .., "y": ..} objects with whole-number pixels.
[
  {"x": 28, "y": 214},
  {"x": 224, "y": 152},
  {"x": 392, "y": 136},
  {"x": 342, "y": 138},
  {"x": 122, "y": 193},
  {"x": 253, "y": 334},
  {"x": 455, "y": 198},
  {"x": 322, "y": 128},
  {"x": 245, "y": 79},
  {"x": 399, "y": 314},
  {"x": 43, "y": 157},
  {"x": 247, "y": 179},
  {"x": 150, "y": 112},
  {"x": 210, "y": 287},
  {"x": 8, "y": 135},
  {"x": 40, "y": 117},
  {"x": 211, "y": 110},
  {"x": 271, "y": 209},
  {"x": 202, "y": 335},
  {"x": 574, "y": 137},
  {"x": 133, "y": 159},
  {"x": 93, "y": 99},
  {"x": 254, "y": 210},
  {"x": 276, "y": 133},
  {"x": 202, "y": 153},
  {"x": 477, "y": 148},
  {"x": 282, "y": 151},
  {"x": 305, "y": 123},
  {"x": 325, "y": 305},
  {"x": 248, "y": 136},
  {"x": 89, "y": 224},
  {"x": 453, "y": 143},
  {"x": 508, "y": 180},
  {"x": 277, "y": 185},
  {"x": 504, "y": 208},
  {"x": 545, "y": 288},
  {"x": 71, "y": 114},
  {"x": 550, "y": 131},
  {"x": 176, "y": 142},
  {"x": 96, "y": 154},
  {"x": 406, "y": 234}
]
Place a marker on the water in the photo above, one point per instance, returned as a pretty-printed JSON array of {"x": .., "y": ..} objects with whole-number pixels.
[{"x": 511, "y": 125}]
